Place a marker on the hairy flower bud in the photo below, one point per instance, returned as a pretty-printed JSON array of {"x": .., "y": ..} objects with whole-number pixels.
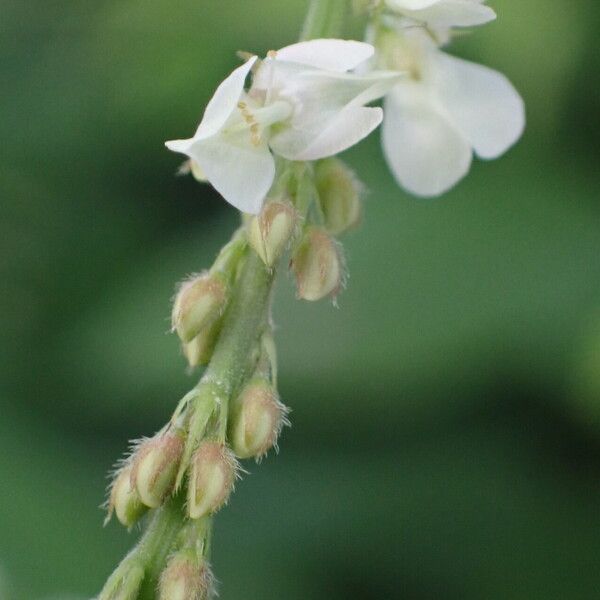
[
  {"x": 199, "y": 351},
  {"x": 124, "y": 583},
  {"x": 185, "y": 578},
  {"x": 257, "y": 417},
  {"x": 271, "y": 230},
  {"x": 155, "y": 467},
  {"x": 317, "y": 265},
  {"x": 198, "y": 303},
  {"x": 212, "y": 476},
  {"x": 125, "y": 500},
  {"x": 339, "y": 195}
]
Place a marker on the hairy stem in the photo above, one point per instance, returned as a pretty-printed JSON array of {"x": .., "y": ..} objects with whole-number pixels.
[
  {"x": 157, "y": 542},
  {"x": 241, "y": 326}
]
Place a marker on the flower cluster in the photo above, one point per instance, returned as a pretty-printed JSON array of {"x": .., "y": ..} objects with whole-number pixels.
[{"x": 307, "y": 102}]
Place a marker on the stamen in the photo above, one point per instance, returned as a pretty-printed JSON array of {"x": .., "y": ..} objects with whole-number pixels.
[
  {"x": 272, "y": 54},
  {"x": 255, "y": 134}
]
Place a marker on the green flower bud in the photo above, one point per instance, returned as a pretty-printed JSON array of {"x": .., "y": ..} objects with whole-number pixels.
[
  {"x": 185, "y": 578},
  {"x": 271, "y": 230},
  {"x": 198, "y": 303},
  {"x": 124, "y": 583},
  {"x": 212, "y": 476},
  {"x": 317, "y": 265},
  {"x": 199, "y": 351},
  {"x": 257, "y": 417},
  {"x": 339, "y": 195},
  {"x": 155, "y": 467},
  {"x": 125, "y": 500}
]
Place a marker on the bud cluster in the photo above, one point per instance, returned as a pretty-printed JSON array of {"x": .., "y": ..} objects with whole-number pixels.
[{"x": 194, "y": 459}]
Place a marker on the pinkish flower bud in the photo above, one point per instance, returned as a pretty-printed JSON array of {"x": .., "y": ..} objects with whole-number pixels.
[
  {"x": 155, "y": 467},
  {"x": 125, "y": 500},
  {"x": 213, "y": 473},
  {"x": 317, "y": 265},
  {"x": 198, "y": 303},
  {"x": 257, "y": 417},
  {"x": 271, "y": 230},
  {"x": 186, "y": 578}
]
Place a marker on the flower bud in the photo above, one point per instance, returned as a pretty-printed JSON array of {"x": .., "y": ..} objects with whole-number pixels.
[
  {"x": 256, "y": 420},
  {"x": 271, "y": 230},
  {"x": 124, "y": 583},
  {"x": 212, "y": 477},
  {"x": 185, "y": 578},
  {"x": 125, "y": 500},
  {"x": 317, "y": 265},
  {"x": 339, "y": 195},
  {"x": 198, "y": 303},
  {"x": 155, "y": 467},
  {"x": 199, "y": 351}
]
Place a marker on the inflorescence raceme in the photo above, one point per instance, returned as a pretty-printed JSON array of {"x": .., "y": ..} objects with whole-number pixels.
[{"x": 270, "y": 148}]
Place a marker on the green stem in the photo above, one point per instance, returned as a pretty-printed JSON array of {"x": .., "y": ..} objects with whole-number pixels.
[
  {"x": 325, "y": 19},
  {"x": 157, "y": 543},
  {"x": 243, "y": 319}
]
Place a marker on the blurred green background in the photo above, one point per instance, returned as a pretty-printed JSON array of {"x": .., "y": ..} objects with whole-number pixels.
[{"x": 446, "y": 418}]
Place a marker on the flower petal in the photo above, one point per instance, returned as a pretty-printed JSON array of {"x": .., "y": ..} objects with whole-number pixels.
[
  {"x": 330, "y": 54},
  {"x": 224, "y": 101},
  {"x": 454, "y": 13},
  {"x": 348, "y": 127},
  {"x": 240, "y": 171},
  {"x": 329, "y": 116},
  {"x": 482, "y": 103},
  {"x": 426, "y": 153},
  {"x": 403, "y": 5}
]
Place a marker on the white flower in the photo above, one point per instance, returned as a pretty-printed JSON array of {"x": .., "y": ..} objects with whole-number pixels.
[
  {"x": 447, "y": 109},
  {"x": 302, "y": 105},
  {"x": 444, "y": 13}
]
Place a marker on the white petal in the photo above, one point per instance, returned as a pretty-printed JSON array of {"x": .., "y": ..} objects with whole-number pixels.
[
  {"x": 482, "y": 103},
  {"x": 426, "y": 153},
  {"x": 454, "y": 13},
  {"x": 180, "y": 145},
  {"x": 328, "y": 118},
  {"x": 348, "y": 127},
  {"x": 403, "y": 5},
  {"x": 330, "y": 54},
  {"x": 224, "y": 101},
  {"x": 241, "y": 172}
]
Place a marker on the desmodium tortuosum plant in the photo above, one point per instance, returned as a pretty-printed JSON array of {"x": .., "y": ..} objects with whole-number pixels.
[{"x": 268, "y": 142}]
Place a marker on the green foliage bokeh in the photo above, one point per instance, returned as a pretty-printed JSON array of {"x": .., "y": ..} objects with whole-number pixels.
[{"x": 446, "y": 418}]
